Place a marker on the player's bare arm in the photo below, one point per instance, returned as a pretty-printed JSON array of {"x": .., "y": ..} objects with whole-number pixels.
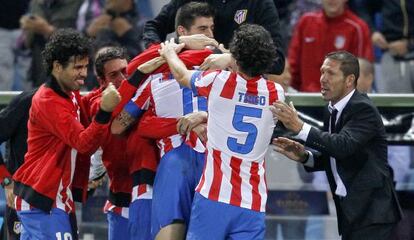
[
  {"x": 198, "y": 41},
  {"x": 177, "y": 67},
  {"x": 122, "y": 122},
  {"x": 151, "y": 65}
]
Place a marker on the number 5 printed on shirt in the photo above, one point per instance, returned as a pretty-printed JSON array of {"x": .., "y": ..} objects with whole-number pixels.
[{"x": 239, "y": 113}]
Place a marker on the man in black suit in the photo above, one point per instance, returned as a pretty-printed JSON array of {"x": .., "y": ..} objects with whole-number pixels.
[{"x": 352, "y": 150}]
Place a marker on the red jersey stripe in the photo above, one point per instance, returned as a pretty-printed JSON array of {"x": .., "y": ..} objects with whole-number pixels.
[
  {"x": 252, "y": 87},
  {"x": 167, "y": 145},
  {"x": 254, "y": 181},
  {"x": 142, "y": 188},
  {"x": 229, "y": 87},
  {"x": 218, "y": 175},
  {"x": 272, "y": 92},
  {"x": 235, "y": 198},
  {"x": 18, "y": 203}
]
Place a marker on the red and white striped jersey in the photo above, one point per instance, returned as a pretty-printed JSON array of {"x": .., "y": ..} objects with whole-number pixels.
[
  {"x": 167, "y": 99},
  {"x": 239, "y": 129},
  {"x": 141, "y": 191},
  {"x": 110, "y": 207}
]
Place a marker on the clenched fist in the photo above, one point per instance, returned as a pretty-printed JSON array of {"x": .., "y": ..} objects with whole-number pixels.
[{"x": 110, "y": 98}]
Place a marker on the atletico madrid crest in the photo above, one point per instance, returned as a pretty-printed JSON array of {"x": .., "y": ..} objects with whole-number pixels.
[
  {"x": 240, "y": 16},
  {"x": 17, "y": 228}
]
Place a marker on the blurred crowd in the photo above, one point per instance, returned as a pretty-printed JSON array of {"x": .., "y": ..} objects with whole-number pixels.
[{"x": 380, "y": 33}]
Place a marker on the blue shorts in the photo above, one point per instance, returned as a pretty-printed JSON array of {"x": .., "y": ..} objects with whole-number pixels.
[
  {"x": 140, "y": 219},
  {"x": 217, "y": 220},
  {"x": 38, "y": 224},
  {"x": 177, "y": 176},
  {"x": 117, "y": 226}
]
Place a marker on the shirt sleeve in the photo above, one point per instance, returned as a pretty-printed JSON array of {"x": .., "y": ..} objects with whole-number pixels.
[
  {"x": 140, "y": 102},
  {"x": 202, "y": 81},
  {"x": 153, "y": 127},
  {"x": 304, "y": 132},
  {"x": 311, "y": 161},
  {"x": 57, "y": 118}
]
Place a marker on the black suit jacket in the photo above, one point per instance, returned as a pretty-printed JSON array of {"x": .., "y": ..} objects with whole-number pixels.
[{"x": 360, "y": 149}]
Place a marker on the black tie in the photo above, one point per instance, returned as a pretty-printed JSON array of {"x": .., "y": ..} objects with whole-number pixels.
[{"x": 333, "y": 120}]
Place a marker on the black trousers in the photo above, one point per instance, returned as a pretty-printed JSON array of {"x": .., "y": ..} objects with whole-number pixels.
[{"x": 371, "y": 232}]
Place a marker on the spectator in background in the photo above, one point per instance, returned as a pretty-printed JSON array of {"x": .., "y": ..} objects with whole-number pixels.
[
  {"x": 45, "y": 16},
  {"x": 396, "y": 39},
  {"x": 284, "y": 8},
  {"x": 366, "y": 76},
  {"x": 318, "y": 33},
  {"x": 110, "y": 23},
  {"x": 10, "y": 13},
  {"x": 284, "y": 79},
  {"x": 88, "y": 11},
  {"x": 118, "y": 24},
  {"x": 229, "y": 16}
]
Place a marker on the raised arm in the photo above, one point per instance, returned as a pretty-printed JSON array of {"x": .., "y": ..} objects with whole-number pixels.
[{"x": 177, "y": 67}]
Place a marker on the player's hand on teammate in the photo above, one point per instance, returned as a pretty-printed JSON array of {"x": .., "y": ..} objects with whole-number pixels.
[
  {"x": 288, "y": 115},
  {"x": 168, "y": 48},
  {"x": 198, "y": 41},
  {"x": 216, "y": 61},
  {"x": 110, "y": 98},
  {"x": 290, "y": 149},
  {"x": 201, "y": 131},
  {"x": 188, "y": 122}
]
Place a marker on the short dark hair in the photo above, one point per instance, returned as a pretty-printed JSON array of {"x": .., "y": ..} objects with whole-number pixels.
[
  {"x": 349, "y": 63},
  {"x": 64, "y": 44},
  {"x": 253, "y": 49},
  {"x": 107, "y": 54},
  {"x": 187, "y": 13}
]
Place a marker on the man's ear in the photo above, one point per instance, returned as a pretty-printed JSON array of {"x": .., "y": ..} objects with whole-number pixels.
[
  {"x": 57, "y": 66},
  {"x": 351, "y": 81},
  {"x": 181, "y": 31}
]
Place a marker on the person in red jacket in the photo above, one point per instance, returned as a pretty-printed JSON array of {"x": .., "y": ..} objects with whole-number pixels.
[
  {"x": 317, "y": 33},
  {"x": 55, "y": 136},
  {"x": 110, "y": 66}
]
